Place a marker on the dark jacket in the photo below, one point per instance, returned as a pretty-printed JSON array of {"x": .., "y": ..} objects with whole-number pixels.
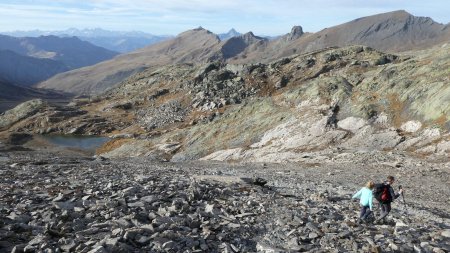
[{"x": 391, "y": 192}]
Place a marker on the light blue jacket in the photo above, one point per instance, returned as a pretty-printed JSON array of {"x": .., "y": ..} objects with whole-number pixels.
[{"x": 365, "y": 196}]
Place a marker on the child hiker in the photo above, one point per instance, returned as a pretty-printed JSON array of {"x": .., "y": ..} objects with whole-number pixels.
[{"x": 365, "y": 200}]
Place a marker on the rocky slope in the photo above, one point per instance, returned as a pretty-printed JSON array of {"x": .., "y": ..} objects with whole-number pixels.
[
  {"x": 76, "y": 204},
  {"x": 195, "y": 45},
  {"x": 393, "y": 32},
  {"x": 311, "y": 107}
]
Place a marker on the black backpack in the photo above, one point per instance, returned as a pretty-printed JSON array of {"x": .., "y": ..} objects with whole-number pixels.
[{"x": 381, "y": 193}]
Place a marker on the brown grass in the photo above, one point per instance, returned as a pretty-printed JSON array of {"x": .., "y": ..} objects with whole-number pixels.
[
  {"x": 397, "y": 107},
  {"x": 111, "y": 145},
  {"x": 441, "y": 121}
]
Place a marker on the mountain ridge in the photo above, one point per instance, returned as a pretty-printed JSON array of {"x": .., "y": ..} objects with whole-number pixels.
[
  {"x": 71, "y": 51},
  {"x": 392, "y": 32},
  {"x": 26, "y": 70},
  {"x": 28, "y": 61},
  {"x": 119, "y": 41},
  {"x": 396, "y": 31},
  {"x": 197, "y": 45}
]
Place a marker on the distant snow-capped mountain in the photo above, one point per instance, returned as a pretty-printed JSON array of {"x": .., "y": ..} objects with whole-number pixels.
[{"x": 119, "y": 41}]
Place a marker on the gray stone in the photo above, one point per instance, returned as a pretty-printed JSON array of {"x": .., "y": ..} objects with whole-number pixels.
[
  {"x": 98, "y": 249},
  {"x": 446, "y": 233},
  {"x": 69, "y": 245},
  {"x": 313, "y": 235},
  {"x": 400, "y": 227},
  {"x": 169, "y": 245},
  {"x": 64, "y": 205}
]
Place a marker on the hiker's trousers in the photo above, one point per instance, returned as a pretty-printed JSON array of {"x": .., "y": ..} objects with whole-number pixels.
[
  {"x": 365, "y": 212},
  {"x": 385, "y": 209}
]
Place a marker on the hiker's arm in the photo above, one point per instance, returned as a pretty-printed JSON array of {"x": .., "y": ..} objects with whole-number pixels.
[
  {"x": 357, "y": 195},
  {"x": 371, "y": 201},
  {"x": 393, "y": 194}
]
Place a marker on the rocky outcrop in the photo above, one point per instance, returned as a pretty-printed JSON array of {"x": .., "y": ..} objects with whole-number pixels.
[
  {"x": 38, "y": 117},
  {"x": 20, "y": 112},
  {"x": 296, "y": 32},
  {"x": 164, "y": 115}
]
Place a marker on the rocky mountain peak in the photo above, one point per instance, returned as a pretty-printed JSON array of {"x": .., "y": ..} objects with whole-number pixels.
[
  {"x": 400, "y": 13},
  {"x": 233, "y": 31},
  {"x": 190, "y": 37},
  {"x": 200, "y": 31},
  {"x": 296, "y": 32},
  {"x": 200, "y": 28},
  {"x": 236, "y": 45},
  {"x": 250, "y": 38},
  {"x": 230, "y": 34}
]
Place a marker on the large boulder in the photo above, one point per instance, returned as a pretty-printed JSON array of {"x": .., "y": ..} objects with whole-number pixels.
[
  {"x": 352, "y": 124},
  {"x": 411, "y": 126},
  {"x": 20, "y": 112}
]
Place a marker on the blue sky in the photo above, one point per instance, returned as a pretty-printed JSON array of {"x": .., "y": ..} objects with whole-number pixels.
[{"x": 264, "y": 17}]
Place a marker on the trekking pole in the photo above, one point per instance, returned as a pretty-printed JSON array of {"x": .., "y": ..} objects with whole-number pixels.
[{"x": 403, "y": 197}]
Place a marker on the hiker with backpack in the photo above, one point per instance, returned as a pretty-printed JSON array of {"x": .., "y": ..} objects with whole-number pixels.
[
  {"x": 365, "y": 197},
  {"x": 385, "y": 195}
]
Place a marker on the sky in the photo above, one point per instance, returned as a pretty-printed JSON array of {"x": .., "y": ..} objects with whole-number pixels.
[{"x": 171, "y": 17}]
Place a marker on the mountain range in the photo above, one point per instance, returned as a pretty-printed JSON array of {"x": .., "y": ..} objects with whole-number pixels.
[
  {"x": 29, "y": 60},
  {"x": 117, "y": 41},
  {"x": 396, "y": 31}
]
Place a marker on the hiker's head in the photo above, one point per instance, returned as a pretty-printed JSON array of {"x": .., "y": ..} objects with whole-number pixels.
[
  {"x": 370, "y": 185},
  {"x": 390, "y": 179}
]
